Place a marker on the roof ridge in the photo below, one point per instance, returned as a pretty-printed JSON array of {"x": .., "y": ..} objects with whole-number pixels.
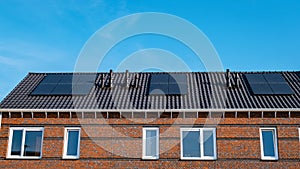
[{"x": 275, "y": 71}]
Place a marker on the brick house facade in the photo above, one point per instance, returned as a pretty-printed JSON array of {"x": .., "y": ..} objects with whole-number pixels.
[{"x": 237, "y": 125}]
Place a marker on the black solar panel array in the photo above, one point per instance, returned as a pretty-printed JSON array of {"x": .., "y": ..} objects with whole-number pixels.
[
  {"x": 65, "y": 84},
  {"x": 268, "y": 84},
  {"x": 168, "y": 84}
]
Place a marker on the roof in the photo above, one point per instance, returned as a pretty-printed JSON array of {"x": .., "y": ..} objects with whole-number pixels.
[{"x": 206, "y": 90}]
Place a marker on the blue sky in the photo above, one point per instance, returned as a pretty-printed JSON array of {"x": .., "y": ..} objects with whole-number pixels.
[{"x": 47, "y": 36}]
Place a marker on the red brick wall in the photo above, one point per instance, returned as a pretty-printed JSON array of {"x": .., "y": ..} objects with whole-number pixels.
[{"x": 117, "y": 143}]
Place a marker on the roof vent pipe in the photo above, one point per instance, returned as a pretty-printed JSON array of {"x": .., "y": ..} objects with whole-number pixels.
[
  {"x": 110, "y": 78},
  {"x": 136, "y": 79},
  {"x": 102, "y": 81},
  {"x": 127, "y": 78},
  {"x": 228, "y": 78},
  {"x": 237, "y": 80}
]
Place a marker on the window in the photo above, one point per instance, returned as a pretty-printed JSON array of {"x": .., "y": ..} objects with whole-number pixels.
[
  {"x": 198, "y": 143},
  {"x": 150, "y": 143},
  {"x": 71, "y": 143},
  {"x": 268, "y": 144},
  {"x": 0, "y": 118},
  {"x": 299, "y": 128},
  {"x": 25, "y": 142}
]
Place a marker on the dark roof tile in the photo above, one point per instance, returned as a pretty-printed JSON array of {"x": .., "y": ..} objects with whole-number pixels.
[{"x": 205, "y": 91}]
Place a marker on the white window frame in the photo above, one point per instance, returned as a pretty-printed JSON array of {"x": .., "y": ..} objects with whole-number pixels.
[
  {"x": 263, "y": 157},
  {"x": 0, "y": 118},
  {"x": 202, "y": 157},
  {"x": 299, "y": 133},
  {"x": 144, "y": 143},
  {"x": 66, "y": 139},
  {"x": 24, "y": 129}
]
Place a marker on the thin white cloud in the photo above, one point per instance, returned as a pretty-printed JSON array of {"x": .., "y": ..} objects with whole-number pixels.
[
  {"x": 29, "y": 51},
  {"x": 10, "y": 61}
]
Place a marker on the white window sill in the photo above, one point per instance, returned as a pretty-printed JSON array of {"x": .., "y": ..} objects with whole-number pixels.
[
  {"x": 150, "y": 158},
  {"x": 197, "y": 158},
  {"x": 70, "y": 157},
  {"x": 269, "y": 158},
  {"x": 23, "y": 158}
]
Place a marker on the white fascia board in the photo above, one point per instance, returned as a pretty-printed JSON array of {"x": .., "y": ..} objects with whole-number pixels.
[{"x": 151, "y": 110}]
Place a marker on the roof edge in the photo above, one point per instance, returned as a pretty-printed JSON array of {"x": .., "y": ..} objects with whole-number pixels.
[
  {"x": 153, "y": 110},
  {"x": 233, "y": 71}
]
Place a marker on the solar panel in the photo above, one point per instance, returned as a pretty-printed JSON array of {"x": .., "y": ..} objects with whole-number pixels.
[
  {"x": 177, "y": 78},
  {"x": 263, "y": 88},
  {"x": 255, "y": 78},
  {"x": 62, "y": 89},
  {"x": 62, "y": 84},
  {"x": 268, "y": 84},
  {"x": 168, "y": 84},
  {"x": 274, "y": 78},
  {"x": 159, "y": 78},
  {"x": 282, "y": 89},
  {"x": 157, "y": 89},
  {"x": 175, "y": 89},
  {"x": 52, "y": 78},
  {"x": 66, "y": 78},
  {"x": 43, "y": 89}
]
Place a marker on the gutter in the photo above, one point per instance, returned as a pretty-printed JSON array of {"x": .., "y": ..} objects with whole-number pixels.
[{"x": 152, "y": 110}]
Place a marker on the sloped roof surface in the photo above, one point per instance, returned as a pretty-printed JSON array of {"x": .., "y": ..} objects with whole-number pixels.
[{"x": 205, "y": 91}]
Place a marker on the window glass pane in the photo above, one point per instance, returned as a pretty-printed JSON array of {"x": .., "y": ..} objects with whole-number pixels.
[
  {"x": 191, "y": 144},
  {"x": 33, "y": 141},
  {"x": 72, "y": 143},
  {"x": 208, "y": 142},
  {"x": 151, "y": 136},
  {"x": 268, "y": 143},
  {"x": 16, "y": 142}
]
